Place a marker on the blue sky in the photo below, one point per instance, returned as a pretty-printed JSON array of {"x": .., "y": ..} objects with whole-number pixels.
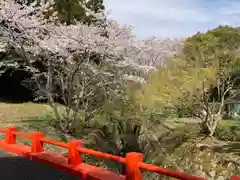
[{"x": 174, "y": 18}]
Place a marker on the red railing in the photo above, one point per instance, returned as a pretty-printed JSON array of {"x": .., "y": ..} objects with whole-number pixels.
[{"x": 74, "y": 164}]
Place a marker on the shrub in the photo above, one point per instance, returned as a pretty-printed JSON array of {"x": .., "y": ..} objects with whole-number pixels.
[{"x": 228, "y": 131}]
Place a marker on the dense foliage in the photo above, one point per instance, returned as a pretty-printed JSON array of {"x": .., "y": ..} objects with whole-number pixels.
[{"x": 208, "y": 63}]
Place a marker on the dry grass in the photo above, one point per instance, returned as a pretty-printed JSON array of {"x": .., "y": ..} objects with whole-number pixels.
[
  {"x": 29, "y": 117},
  {"x": 25, "y": 116},
  {"x": 16, "y": 112}
]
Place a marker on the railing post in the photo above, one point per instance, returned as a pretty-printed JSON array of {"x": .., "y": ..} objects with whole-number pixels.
[
  {"x": 132, "y": 170},
  {"x": 74, "y": 156},
  {"x": 37, "y": 144},
  {"x": 10, "y": 138}
]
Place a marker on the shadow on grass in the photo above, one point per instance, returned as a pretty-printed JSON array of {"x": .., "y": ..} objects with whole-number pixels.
[
  {"x": 231, "y": 147},
  {"x": 20, "y": 168},
  {"x": 38, "y": 123}
]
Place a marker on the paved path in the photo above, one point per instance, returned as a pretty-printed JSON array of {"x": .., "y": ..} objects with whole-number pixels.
[{"x": 20, "y": 168}]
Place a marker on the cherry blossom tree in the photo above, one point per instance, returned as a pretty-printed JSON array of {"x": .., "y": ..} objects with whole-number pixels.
[{"x": 86, "y": 64}]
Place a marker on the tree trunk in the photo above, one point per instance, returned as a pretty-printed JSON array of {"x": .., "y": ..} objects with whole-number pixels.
[{"x": 209, "y": 125}]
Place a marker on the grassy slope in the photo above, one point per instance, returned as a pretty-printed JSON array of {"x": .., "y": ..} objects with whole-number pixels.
[
  {"x": 30, "y": 117},
  {"x": 16, "y": 112},
  {"x": 20, "y": 114}
]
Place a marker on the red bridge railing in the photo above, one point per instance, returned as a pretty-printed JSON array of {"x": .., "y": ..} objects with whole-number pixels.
[{"x": 74, "y": 164}]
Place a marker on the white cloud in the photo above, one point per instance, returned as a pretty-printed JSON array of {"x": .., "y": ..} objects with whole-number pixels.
[{"x": 173, "y": 17}]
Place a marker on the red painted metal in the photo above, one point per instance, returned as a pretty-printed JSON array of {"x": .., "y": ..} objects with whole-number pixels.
[
  {"x": 22, "y": 134},
  {"x": 235, "y": 178},
  {"x": 37, "y": 144},
  {"x": 74, "y": 156},
  {"x": 167, "y": 172},
  {"x": 74, "y": 164},
  {"x": 102, "y": 155},
  {"x": 132, "y": 170},
  {"x": 10, "y": 137},
  {"x": 56, "y": 143}
]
